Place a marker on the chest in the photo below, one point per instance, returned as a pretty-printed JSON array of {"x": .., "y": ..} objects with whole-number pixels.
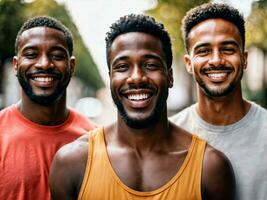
[{"x": 148, "y": 171}]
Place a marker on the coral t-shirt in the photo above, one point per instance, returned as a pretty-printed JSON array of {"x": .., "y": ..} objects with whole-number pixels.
[{"x": 27, "y": 150}]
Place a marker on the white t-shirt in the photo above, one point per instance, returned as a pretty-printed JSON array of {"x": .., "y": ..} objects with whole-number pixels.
[{"x": 244, "y": 143}]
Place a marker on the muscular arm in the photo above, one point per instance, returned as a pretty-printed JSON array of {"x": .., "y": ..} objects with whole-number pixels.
[
  {"x": 218, "y": 182},
  {"x": 67, "y": 170}
]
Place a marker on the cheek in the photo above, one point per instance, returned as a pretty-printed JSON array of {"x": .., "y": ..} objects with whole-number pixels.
[
  {"x": 62, "y": 66},
  {"x": 26, "y": 62},
  {"x": 237, "y": 62},
  {"x": 116, "y": 80},
  {"x": 196, "y": 61}
]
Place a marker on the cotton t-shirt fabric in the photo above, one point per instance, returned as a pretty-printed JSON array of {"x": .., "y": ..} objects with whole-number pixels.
[
  {"x": 244, "y": 143},
  {"x": 27, "y": 150},
  {"x": 101, "y": 182}
]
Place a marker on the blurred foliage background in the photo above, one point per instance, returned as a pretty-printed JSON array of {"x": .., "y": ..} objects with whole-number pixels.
[
  {"x": 170, "y": 12},
  {"x": 257, "y": 36}
]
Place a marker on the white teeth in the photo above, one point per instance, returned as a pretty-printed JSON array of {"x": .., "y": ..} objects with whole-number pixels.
[
  {"x": 137, "y": 97},
  {"x": 43, "y": 79},
  {"x": 217, "y": 75}
]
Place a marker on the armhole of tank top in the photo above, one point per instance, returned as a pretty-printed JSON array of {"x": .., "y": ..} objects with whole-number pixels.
[
  {"x": 88, "y": 166},
  {"x": 203, "y": 149}
]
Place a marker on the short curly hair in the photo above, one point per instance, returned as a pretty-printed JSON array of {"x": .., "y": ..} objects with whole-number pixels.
[
  {"x": 46, "y": 21},
  {"x": 212, "y": 11},
  {"x": 140, "y": 23}
]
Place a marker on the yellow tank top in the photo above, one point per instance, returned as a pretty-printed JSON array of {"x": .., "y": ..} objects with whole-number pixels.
[{"x": 101, "y": 182}]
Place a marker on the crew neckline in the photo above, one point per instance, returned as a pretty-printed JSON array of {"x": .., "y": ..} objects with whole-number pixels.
[
  {"x": 33, "y": 125},
  {"x": 224, "y": 129}
]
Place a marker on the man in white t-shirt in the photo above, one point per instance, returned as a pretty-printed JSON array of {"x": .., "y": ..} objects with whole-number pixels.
[{"x": 214, "y": 36}]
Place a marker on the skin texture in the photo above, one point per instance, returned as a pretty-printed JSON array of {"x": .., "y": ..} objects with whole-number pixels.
[
  {"x": 137, "y": 60},
  {"x": 216, "y": 60},
  {"x": 44, "y": 68}
]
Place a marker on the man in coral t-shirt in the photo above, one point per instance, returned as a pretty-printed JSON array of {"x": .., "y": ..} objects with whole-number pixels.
[{"x": 32, "y": 130}]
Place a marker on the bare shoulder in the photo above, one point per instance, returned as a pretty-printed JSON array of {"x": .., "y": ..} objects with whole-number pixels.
[
  {"x": 74, "y": 150},
  {"x": 68, "y": 168},
  {"x": 73, "y": 156},
  {"x": 218, "y": 180}
]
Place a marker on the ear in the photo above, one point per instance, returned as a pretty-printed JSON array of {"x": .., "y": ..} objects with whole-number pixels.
[
  {"x": 72, "y": 64},
  {"x": 188, "y": 65},
  {"x": 245, "y": 57},
  {"x": 15, "y": 65},
  {"x": 170, "y": 77}
]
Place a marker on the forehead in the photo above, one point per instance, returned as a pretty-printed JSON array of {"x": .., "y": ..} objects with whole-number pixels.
[
  {"x": 212, "y": 31},
  {"x": 136, "y": 43},
  {"x": 42, "y": 36}
]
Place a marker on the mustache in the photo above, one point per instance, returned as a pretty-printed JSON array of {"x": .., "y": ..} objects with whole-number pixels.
[
  {"x": 204, "y": 70},
  {"x": 54, "y": 72},
  {"x": 139, "y": 87}
]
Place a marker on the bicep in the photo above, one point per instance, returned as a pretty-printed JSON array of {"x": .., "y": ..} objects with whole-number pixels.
[
  {"x": 218, "y": 182},
  {"x": 60, "y": 179}
]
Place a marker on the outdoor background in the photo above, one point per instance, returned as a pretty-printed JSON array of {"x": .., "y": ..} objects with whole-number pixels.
[{"x": 89, "y": 20}]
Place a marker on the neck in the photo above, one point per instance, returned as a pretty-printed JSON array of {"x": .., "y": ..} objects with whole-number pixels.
[
  {"x": 222, "y": 111},
  {"x": 146, "y": 139},
  {"x": 53, "y": 114}
]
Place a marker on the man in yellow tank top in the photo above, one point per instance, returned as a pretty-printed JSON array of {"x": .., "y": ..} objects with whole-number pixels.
[{"x": 142, "y": 155}]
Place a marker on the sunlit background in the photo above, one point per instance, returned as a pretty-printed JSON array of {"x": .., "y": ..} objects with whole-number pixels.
[{"x": 89, "y": 20}]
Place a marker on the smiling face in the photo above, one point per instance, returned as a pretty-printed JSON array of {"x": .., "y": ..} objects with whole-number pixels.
[
  {"x": 216, "y": 57},
  {"x": 43, "y": 64},
  {"x": 139, "y": 78}
]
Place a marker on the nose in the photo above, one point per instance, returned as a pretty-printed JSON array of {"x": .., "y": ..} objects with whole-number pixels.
[
  {"x": 44, "y": 62},
  {"x": 216, "y": 58},
  {"x": 137, "y": 75}
]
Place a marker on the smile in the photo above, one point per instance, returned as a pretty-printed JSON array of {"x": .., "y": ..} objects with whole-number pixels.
[
  {"x": 43, "y": 79},
  {"x": 138, "y": 97},
  {"x": 217, "y": 75}
]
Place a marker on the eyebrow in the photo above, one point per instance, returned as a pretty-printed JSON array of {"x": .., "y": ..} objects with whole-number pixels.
[
  {"x": 153, "y": 56},
  {"x": 227, "y": 42},
  {"x": 147, "y": 56},
  {"x": 119, "y": 59},
  {"x": 33, "y": 47},
  {"x": 231, "y": 42},
  {"x": 59, "y": 48},
  {"x": 29, "y": 47},
  {"x": 200, "y": 45}
]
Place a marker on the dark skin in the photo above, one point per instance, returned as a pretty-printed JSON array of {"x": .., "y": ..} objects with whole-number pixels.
[
  {"x": 216, "y": 43},
  {"x": 142, "y": 149},
  {"x": 43, "y": 48}
]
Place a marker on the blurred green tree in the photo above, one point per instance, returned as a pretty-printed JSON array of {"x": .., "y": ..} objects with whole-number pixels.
[
  {"x": 171, "y": 13},
  {"x": 256, "y": 35},
  {"x": 257, "y": 25},
  {"x": 11, "y": 19}
]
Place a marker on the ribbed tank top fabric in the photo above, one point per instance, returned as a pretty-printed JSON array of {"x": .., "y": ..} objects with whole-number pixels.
[{"x": 100, "y": 181}]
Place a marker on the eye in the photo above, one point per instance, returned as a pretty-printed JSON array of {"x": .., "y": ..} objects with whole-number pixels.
[
  {"x": 228, "y": 50},
  {"x": 58, "y": 56},
  {"x": 121, "y": 67},
  {"x": 203, "y": 51},
  {"x": 152, "y": 66},
  {"x": 30, "y": 55}
]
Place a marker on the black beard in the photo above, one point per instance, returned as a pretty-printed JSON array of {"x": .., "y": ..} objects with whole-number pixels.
[
  {"x": 160, "y": 108},
  {"x": 220, "y": 92},
  {"x": 44, "y": 100}
]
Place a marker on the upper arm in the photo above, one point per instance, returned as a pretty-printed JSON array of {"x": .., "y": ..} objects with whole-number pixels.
[
  {"x": 67, "y": 170},
  {"x": 218, "y": 181}
]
